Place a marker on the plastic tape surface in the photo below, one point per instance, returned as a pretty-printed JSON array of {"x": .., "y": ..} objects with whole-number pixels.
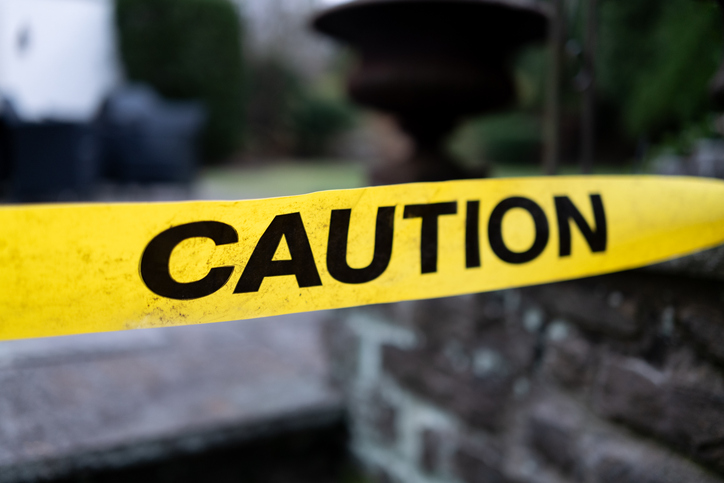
[{"x": 70, "y": 269}]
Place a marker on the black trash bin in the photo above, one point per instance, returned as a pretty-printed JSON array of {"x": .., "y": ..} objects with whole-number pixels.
[
  {"x": 5, "y": 159},
  {"x": 148, "y": 139},
  {"x": 52, "y": 161}
]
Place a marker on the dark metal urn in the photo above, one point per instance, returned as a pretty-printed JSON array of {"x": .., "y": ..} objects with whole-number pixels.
[{"x": 432, "y": 63}]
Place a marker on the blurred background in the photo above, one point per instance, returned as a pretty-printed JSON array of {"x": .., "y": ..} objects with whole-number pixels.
[
  {"x": 155, "y": 100},
  {"x": 104, "y": 99}
]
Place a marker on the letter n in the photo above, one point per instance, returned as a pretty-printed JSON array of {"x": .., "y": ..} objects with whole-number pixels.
[{"x": 597, "y": 238}]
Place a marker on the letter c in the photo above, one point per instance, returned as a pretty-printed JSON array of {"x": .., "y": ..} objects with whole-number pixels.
[{"x": 155, "y": 261}]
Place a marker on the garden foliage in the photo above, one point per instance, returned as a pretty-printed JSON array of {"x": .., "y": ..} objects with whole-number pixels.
[{"x": 189, "y": 49}]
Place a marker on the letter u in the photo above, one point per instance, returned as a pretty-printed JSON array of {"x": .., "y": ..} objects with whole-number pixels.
[{"x": 338, "y": 240}]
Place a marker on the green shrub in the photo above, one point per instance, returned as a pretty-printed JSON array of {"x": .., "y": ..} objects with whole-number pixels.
[
  {"x": 317, "y": 121},
  {"x": 274, "y": 89},
  {"x": 513, "y": 137},
  {"x": 656, "y": 61},
  {"x": 289, "y": 116},
  {"x": 189, "y": 49}
]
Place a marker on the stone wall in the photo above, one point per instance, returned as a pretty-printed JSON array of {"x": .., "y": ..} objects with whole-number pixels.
[{"x": 610, "y": 379}]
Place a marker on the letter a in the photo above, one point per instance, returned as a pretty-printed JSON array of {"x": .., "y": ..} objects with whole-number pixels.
[{"x": 262, "y": 263}]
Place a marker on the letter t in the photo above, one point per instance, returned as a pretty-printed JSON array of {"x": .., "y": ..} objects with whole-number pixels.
[{"x": 429, "y": 232}]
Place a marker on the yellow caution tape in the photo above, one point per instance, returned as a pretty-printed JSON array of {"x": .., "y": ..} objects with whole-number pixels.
[{"x": 70, "y": 269}]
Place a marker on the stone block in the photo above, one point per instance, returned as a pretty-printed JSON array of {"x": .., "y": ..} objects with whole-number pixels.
[
  {"x": 470, "y": 370},
  {"x": 631, "y": 391},
  {"x": 695, "y": 422},
  {"x": 480, "y": 402},
  {"x": 374, "y": 418},
  {"x": 596, "y": 309},
  {"x": 707, "y": 264},
  {"x": 568, "y": 359},
  {"x": 382, "y": 416},
  {"x": 624, "y": 461},
  {"x": 431, "y": 441},
  {"x": 705, "y": 324},
  {"x": 553, "y": 435},
  {"x": 478, "y": 463},
  {"x": 379, "y": 475},
  {"x": 456, "y": 317},
  {"x": 343, "y": 347},
  {"x": 687, "y": 415},
  {"x": 502, "y": 351}
]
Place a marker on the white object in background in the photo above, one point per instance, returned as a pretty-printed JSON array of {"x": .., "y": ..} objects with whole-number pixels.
[{"x": 57, "y": 57}]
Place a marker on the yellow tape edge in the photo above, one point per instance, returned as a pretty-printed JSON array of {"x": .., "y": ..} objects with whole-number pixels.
[{"x": 69, "y": 269}]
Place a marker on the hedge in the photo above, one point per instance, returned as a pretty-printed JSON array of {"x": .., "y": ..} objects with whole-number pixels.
[{"x": 189, "y": 49}]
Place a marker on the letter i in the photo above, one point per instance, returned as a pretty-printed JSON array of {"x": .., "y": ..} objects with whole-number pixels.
[{"x": 472, "y": 235}]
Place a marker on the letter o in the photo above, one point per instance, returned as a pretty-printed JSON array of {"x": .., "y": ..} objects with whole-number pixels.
[{"x": 495, "y": 230}]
